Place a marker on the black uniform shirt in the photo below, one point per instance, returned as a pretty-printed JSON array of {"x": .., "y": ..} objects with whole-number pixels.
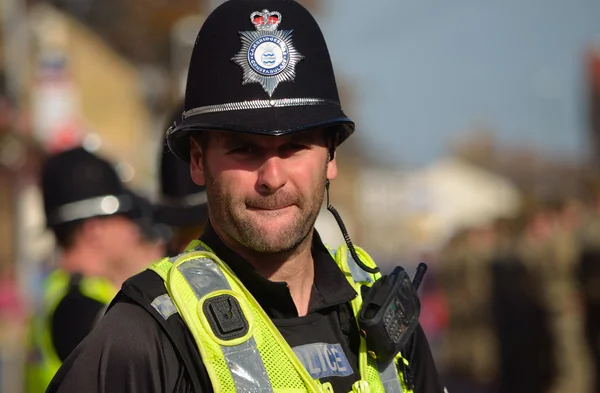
[
  {"x": 129, "y": 352},
  {"x": 74, "y": 317}
]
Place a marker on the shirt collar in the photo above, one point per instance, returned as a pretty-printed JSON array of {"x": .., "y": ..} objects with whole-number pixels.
[{"x": 330, "y": 287}]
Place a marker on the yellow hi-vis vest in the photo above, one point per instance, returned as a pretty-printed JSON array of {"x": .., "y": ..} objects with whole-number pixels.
[
  {"x": 43, "y": 361},
  {"x": 261, "y": 360}
]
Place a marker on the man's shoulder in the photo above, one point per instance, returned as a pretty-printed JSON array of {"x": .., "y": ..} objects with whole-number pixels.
[
  {"x": 144, "y": 300},
  {"x": 128, "y": 324},
  {"x": 125, "y": 333},
  {"x": 128, "y": 333},
  {"x": 143, "y": 288},
  {"x": 126, "y": 351}
]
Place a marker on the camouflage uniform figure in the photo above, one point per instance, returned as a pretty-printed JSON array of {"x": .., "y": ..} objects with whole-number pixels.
[
  {"x": 550, "y": 253},
  {"x": 468, "y": 350},
  {"x": 589, "y": 279}
]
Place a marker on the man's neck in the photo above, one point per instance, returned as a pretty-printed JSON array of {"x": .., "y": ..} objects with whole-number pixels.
[{"x": 295, "y": 268}]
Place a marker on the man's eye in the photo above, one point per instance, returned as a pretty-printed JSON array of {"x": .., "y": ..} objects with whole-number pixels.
[{"x": 244, "y": 149}]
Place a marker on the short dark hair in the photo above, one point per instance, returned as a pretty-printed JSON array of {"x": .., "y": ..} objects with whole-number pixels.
[{"x": 201, "y": 138}]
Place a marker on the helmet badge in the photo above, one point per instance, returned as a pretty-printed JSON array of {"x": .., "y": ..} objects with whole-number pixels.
[{"x": 267, "y": 56}]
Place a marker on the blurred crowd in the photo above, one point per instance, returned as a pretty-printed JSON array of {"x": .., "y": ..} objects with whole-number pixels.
[{"x": 521, "y": 301}]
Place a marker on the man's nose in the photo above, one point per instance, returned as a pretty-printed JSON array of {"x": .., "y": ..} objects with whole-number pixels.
[{"x": 271, "y": 175}]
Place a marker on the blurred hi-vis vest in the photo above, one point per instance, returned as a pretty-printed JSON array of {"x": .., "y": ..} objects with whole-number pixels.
[{"x": 43, "y": 361}]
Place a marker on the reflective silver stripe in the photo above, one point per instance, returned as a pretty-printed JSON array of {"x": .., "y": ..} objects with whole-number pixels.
[
  {"x": 247, "y": 368},
  {"x": 245, "y": 364},
  {"x": 332, "y": 251},
  {"x": 104, "y": 205},
  {"x": 200, "y": 247},
  {"x": 203, "y": 276},
  {"x": 164, "y": 305},
  {"x": 358, "y": 275},
  {"x": 258, "y": 104},
  {"x": 390, "y": 378}
]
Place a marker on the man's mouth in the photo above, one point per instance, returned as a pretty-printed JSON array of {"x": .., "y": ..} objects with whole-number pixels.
[{"x": 268, "y": 208}]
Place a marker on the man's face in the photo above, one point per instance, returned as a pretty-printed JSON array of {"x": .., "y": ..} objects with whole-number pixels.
[
  {"x": 118, "y": 235},
  {"x": 125, "y": 251},
  {"x": 264, "y": 192}
]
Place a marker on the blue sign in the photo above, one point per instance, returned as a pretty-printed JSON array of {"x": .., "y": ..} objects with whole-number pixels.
[{"x": 323, "y": 360}]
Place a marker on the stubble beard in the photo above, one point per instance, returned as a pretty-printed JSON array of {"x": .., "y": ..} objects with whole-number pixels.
[{"x": 233, "y": 218}]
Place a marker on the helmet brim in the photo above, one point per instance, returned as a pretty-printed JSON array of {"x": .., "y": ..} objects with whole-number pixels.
[{"x": 268, "y": 121}]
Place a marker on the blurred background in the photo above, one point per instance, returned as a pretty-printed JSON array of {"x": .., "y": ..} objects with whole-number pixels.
[{"x": 477, "y": 151}]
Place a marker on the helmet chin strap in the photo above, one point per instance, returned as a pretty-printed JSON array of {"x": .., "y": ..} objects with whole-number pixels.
[{"x": 347, "y": 239}]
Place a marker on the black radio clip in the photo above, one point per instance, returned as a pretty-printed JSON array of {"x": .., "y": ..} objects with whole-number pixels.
[{"x": 390, "y": 312}]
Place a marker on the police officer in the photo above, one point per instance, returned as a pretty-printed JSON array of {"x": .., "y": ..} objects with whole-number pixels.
[
  {"x": 182, "y": 204},
  {"x": 95, "y": 223},
  {"x": 258, "y": 303}
]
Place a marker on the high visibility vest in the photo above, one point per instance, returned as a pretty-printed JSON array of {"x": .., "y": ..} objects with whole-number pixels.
[
  {"x": 254, "y": 356},
  {"x": 43, "y": 361}
]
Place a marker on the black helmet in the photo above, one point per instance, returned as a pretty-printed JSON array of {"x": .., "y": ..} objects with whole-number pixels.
[
  {"x": 77, "y": 185},
  {"x": 182, "y": 202},
  {"x": 261, "y": 67}
]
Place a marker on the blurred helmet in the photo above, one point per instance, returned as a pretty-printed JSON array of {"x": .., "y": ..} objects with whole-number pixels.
[
  {"x": 77, "y": 185},
  {"x": 259, "y": 67},
  {"x": 182, "y": 202}
]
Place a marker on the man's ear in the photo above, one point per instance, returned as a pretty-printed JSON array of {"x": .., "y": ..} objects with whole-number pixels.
[
  {"x": 332, "y": 165},
  {"x": 196, "y": 165}
]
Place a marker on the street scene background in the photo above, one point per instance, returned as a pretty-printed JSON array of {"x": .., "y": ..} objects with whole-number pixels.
[{"x": 476, "y": 151}]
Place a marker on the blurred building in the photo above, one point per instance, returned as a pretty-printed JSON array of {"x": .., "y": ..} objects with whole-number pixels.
[
  {"x": 20, "y": 158},
  {"x": 97, "y": 92},
  {"x": 407, "y": 213},
  {"x": 533, "y": 171},
  {"x": 64, "y": 86}
]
